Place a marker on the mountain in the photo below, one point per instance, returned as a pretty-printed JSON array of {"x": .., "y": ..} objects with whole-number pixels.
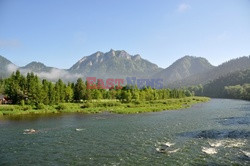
[
  {"x": 186, "y": 71},
  {"x": 183, "y": 68},
  {"x": 36, "y": 67},
  {"x": 233, "y": 65},
  {"x": 114, "y": 64},
  {"x": 6, "y": 67}
]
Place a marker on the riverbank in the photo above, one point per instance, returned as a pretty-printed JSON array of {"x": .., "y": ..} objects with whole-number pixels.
[{"x": 97, "y": 106}]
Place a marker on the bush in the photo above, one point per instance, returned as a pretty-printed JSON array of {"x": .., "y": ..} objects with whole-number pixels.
[
  {"x": 109, "y": 104},
  {"x": 27, "y": 107},
  {"x": 87, "y": 105},
  {"x": 61, "y": 107},
  {"x": 137, "y": 102},
  {"x": 129, "y": 105},
  {"x": 40, "y": 106},
  {"x": 7, "y": 108},
  {"x": 22, "y": 103}
]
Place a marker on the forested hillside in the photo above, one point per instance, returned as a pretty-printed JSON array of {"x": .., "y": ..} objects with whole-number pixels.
[
  {"x": 233, "y": 85},
  {"x": 216, "y": 88}
]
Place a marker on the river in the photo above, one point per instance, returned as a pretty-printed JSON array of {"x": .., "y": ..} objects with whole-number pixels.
[{"x": 212, "y": 133}]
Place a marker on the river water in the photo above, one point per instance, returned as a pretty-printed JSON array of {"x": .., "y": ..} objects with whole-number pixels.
[{"x": 212, "y": 133}]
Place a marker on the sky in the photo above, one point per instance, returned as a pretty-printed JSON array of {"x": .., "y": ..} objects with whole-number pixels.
[{"x": 60, "y": 32}]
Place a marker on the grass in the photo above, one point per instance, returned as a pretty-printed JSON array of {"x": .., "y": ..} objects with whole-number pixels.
[{"x": 97, "y": 106}]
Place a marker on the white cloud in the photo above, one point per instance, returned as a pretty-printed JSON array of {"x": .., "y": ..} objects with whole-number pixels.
[
  {"x": 11, "y": 68},
  {"x": 183, "y": 7},
  {"x": 55, "y": 74}
]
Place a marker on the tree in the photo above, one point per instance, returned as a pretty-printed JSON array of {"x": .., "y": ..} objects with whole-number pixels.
[
  {"x": 60, "y": 91},
  {"x": 1, "y": 86},
  {"x": 51, "y": 93},
  {"x": 14, "y": 87},
  {"x": 128, "y": 96},
  {"x": 97, "y": 94},
  {"x": 238, "y": 91},
  {"x": 69, "y": 93},
  {"x": 45, "y": 91},
  {"x": 135, "y": 95},
  {"x": 34, "y": 89},
  {"x": 79, "y": 90}
]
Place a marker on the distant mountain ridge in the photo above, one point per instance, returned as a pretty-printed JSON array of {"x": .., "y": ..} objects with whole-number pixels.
[
  {"x": 186, "y": 71},
  {"x": 113, "y": 64},
  {"x": 36, "y": 67},
  {"x": 183, "y": 68},
  {"x": 225, "y": 68}
]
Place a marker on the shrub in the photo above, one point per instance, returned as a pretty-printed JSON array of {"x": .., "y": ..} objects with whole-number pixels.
[
  {"x": 137, "y": 102},
  {"x": 129, "y": 105},
  {"x": 7, "y": 108},
  {"x": 40, "y": 106},
  {"x": 22, "y": 103},
  {"x": 87, "y": 105},
  {"x": 109, "y": 104},
  {"x": 61, "y": 107},
  {"x": 26, "y": 107}
]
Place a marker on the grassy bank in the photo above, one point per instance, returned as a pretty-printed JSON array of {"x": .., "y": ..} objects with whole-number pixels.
[{"x": 97, "y": 106}]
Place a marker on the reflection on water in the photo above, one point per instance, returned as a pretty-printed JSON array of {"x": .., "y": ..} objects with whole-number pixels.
[
  {"x": 213, "y": 133},
  {"x": 28, "y": 117}
]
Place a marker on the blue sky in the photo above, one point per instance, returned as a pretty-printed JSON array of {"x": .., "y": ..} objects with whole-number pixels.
[{"x": 60, "y": 32}]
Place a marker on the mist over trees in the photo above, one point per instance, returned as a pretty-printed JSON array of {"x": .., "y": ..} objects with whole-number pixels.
[{"x": 31, "y": 90}]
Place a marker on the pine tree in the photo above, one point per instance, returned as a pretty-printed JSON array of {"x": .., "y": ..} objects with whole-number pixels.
[{"x": 79, "y": 90}]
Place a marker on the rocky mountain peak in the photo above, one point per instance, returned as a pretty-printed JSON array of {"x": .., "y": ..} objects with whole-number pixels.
[{"x": 114, "y": 63}]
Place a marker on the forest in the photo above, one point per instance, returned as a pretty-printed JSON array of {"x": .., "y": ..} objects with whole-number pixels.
[
  {"x": 234, "y": 85},
  {"x": 32, "y": 90},
  {"x": 238, "y": 91}
]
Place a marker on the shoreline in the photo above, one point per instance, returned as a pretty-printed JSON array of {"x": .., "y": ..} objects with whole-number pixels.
[{"x": 98, "y": 106}]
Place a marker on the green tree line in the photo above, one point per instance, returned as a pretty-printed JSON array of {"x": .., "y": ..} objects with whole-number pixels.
[{"x": 31, "y": 90}]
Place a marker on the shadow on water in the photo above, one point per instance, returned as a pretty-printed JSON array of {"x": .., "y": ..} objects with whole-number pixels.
[
  {"x": 235, "y": 120},
  {"x": 244, "y": 158},
  {"x": 216, "y": 134},
  {"x": 243, "y": 107}
]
